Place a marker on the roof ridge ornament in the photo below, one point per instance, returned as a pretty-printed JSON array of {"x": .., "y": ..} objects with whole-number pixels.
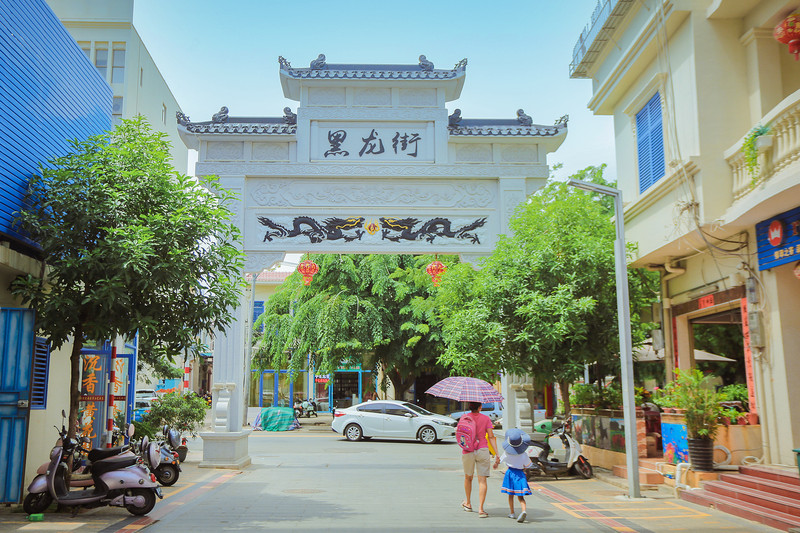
[
  {"x": 461, "y": 65},
  {"x": 454, "y": 119},
  {"x": 318, "y": 63},
  {"x": 288, "y": 116},
  {"x": 284, "y": 63},
  {"x": 221, "y": 116},
  {"x": 182, "y": 119},
  {"x": 524, "y": 119},
  {"x": 424, "y": 64},
  {"x": 562, "y": 121}
]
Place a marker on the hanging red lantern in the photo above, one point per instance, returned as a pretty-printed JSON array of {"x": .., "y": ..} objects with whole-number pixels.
[
  {"x": 435, "y": 271},
  {"x": 788, "y": 32},
  {"x": 307, "y": 268}
]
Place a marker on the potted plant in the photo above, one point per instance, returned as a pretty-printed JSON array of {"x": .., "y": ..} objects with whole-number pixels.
[
  {"x": 693, "y": 392},
  {"x": 583, "y": 395},
  {"x": 184, "y": 412}
]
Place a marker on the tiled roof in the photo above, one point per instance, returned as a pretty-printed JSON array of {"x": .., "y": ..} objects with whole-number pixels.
[
  {"x": 244, "y": 125},
  {"x": 503, "y": 127},
  {"x": 269, "y": 277},
  {"x": 375, "y": 72}
]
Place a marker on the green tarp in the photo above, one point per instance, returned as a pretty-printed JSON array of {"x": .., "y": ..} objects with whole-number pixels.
[{"x": 277, "y": 418}]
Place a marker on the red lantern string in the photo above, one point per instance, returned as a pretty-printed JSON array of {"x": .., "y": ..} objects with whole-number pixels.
[
  {"x": 435, "y": 271},
  {"x": 788, "y": 32},
  {"x": 307, "y": 268}
]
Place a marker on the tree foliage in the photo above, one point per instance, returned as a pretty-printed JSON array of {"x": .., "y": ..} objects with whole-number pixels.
[
  {"x": 129, "y": 245},
  {"x": 358, "y": 309},
  {"x": 544, "y": 302}
]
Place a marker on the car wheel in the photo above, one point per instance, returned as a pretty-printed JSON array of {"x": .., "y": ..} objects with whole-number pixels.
[
  {"x": 427, "y": 435},
  {"x": 582, "y": 468},
  {"x": 353, "y": 432}
]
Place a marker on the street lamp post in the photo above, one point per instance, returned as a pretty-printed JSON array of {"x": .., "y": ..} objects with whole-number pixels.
[{"x": 623, "y": 317}]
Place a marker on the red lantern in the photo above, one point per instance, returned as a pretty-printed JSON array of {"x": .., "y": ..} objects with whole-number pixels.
[
  {"x": 788, "y": 32},
  {"x": 307, "y": 268},
  {"x": 435, "y": 271}
]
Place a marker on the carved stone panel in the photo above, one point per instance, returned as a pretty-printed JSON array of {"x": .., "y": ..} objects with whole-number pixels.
[
  {"x": 326, "y": 96},
  {"x": 519, "y": 154},
  {"x": 417, "y": 97},
  {"x": 372, "y": 96},
  {"x": 474, "y": 153},
  {"x": 270, "y": 151},
  {"x": 450, "y": 194},
  {"x": 225, "y": 151}
]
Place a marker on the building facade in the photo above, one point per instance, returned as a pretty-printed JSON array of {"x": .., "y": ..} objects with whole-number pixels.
[
  {"x": 106, "y": 34},
  {"x": 705, "y": 104},
  {"x": 49, "y": 94}
]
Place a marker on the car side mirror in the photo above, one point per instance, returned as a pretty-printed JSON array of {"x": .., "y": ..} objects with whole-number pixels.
[{"x": 409, "y": 415}]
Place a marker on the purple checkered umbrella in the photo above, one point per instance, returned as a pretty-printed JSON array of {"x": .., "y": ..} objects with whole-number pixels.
[{"x": 465, "y": 389}]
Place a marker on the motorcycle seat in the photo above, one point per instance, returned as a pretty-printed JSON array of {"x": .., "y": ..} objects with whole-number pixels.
[
  {"x": 113, "y": 463},
  {"x": 96, "y": 454}
]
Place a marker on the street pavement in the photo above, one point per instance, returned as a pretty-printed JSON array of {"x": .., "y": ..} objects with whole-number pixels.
[{"x": 314, "y": 480}]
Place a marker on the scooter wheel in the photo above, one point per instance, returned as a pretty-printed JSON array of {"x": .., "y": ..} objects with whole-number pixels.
[
  {"x": 167, "y": 475},
  {"x": 149, "y": 496},
  {"x": 582, "y": 468},
  {"x": 35, "y": 503}
]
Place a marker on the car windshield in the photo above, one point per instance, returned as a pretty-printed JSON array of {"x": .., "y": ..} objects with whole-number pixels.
[
  {"x": 417, "y": 409},
  {"x": 490, "y": 406}
]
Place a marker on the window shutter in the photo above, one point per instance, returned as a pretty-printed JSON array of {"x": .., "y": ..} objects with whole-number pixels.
[
  {"x": 40, "y": 367},
  {"x": 258, "y": 310},
  {"x": 650, "y": 143}
]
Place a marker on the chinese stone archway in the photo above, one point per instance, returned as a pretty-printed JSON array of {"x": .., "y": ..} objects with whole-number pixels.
[{"x": 371, "y": 162}]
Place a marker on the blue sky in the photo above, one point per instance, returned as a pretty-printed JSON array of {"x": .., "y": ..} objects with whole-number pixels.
[{"x": 226, "y": 53}]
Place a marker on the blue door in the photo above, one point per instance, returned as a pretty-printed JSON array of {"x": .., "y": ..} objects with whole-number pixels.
[{"x": 16, "y": 355}]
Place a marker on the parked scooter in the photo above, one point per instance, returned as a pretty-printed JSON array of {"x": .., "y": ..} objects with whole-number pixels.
[
  {"x": 574, "y": 463},
  {"x": 169, "y": 469},
  {"x": 306, "y": 408},
  {"x": 134, "y": 487}
]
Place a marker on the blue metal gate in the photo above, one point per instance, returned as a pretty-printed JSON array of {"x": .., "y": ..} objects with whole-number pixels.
[{"x": 16, "y": 354}]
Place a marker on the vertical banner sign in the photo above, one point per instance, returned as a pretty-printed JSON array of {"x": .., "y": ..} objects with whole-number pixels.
[
  {"x": 748, "y": 358},
  {"x": 91, "y": 420},
  {"x": 120, "y": 385},
  {"x": 110, "y": 401}
]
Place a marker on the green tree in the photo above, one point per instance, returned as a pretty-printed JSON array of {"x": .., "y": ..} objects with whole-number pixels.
[
  {"x": 544, "y": 302},
  {"x": 128, "y": 245},
  {"x": 358, "y": 309}
]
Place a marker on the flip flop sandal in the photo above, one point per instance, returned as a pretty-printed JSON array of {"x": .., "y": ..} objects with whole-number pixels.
[
  {"x": 483, "y": 515},
  {"x": 466, "y": 507}
]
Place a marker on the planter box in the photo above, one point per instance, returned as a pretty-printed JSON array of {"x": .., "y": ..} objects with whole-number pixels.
[
  {"x": 741, "y": 441},
  {"x": 605, "y": 429}
]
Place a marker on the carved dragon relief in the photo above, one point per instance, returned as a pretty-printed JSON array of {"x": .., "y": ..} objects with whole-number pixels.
[{"x": 353, "y": 228}]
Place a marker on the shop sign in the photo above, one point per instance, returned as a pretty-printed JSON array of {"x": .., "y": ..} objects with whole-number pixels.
[
  {"x": 92, "y": 416},
  {"x": 398, "y": 143},
  {"x": 778, "y": 239},
  {"x": 748, "y": 358},
  {"x": 705, "y": 301}
]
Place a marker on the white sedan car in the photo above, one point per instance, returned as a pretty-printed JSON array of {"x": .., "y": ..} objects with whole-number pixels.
[{"x": 392, "y": 419}]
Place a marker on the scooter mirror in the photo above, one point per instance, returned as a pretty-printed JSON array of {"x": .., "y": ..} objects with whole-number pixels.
[
  {"x": 63, "y": 414},
  {"x": 131, "y": 430},
  {"x": 165, "y": 430}
]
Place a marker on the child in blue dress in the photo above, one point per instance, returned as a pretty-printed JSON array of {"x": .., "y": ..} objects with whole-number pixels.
[{"x": 515, "y": 483}]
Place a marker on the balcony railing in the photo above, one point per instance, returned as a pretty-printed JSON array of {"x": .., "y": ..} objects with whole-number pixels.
[
  {"x": 777, "y": 149},
  {"x": 605, "y": 18}
]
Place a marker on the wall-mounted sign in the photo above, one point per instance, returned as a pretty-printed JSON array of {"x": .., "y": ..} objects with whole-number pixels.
[
  {"x": 778, "y": 239},
  {"x": 378, "y": 143}
]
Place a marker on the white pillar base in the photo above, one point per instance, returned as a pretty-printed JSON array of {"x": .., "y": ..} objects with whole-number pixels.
[{"x": 225, "y": 449}]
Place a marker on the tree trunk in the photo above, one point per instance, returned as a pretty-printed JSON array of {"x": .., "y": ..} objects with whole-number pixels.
[
  {"x": 75, "y": 381},
  {"x": 563, "y": 386},
  {"x": 400, "y": 385}
]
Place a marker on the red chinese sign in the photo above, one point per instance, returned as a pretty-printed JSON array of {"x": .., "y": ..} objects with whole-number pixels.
[
  {"x": 748, "y": 358},
  {"x": 705, "y": 301}
]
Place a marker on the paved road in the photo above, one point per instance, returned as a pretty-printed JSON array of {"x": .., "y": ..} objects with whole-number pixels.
[
  {"x": 317, "y": 481},
  {"x": 314, "y": 480}
]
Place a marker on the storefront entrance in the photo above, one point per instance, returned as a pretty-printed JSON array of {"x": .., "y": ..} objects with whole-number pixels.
[{"x": 278, "y": 388}]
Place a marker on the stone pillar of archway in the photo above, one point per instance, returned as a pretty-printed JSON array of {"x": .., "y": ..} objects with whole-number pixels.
[{"x": 226, "y": 446}]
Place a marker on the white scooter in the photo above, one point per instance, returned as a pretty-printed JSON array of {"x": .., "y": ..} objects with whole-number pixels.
[{"x": 543, "y": 464}]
